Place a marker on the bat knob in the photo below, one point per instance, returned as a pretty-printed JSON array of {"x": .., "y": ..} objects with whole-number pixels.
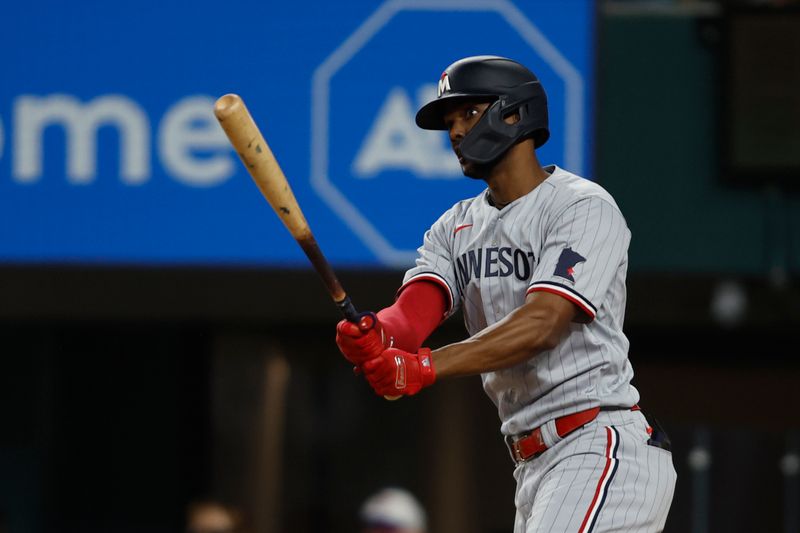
[{"x": 367, "y": 321}]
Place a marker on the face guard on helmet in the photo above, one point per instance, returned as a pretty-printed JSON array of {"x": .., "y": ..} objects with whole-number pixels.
[{"x": 512, "y": 87}]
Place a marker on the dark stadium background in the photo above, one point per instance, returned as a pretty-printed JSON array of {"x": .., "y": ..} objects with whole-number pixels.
[{"x": 127, "y": 392}]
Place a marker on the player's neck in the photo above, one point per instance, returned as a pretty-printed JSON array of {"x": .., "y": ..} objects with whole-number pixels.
[{"x": 514, "y": 176}]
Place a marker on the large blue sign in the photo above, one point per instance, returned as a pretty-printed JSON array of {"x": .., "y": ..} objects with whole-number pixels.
[{"x": 109, "y": 152}]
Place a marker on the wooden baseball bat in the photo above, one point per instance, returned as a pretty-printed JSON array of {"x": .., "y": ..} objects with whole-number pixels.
[{"x": 260, "y": 162}]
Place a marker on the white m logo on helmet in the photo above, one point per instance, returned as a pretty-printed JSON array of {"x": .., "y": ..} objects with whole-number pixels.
[{"x": 444, "y": 84}]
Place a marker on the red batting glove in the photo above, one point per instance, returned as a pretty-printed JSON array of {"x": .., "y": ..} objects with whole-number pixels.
[
  {"x": 358, "y": 345},
  {"x": 396, "y": 372}
]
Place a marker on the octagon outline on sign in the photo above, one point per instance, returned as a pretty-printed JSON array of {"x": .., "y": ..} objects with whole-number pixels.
[{"x": 320, "y": 94}]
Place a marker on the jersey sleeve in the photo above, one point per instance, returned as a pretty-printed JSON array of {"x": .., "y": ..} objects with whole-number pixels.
[
  {"x": 435, "y": 262},
  {"x": 582, "y": 252}
]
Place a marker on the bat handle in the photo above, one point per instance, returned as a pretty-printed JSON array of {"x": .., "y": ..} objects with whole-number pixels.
[
  {"x": 364, "y": 321},
  {"x": 348, "y": 310}
]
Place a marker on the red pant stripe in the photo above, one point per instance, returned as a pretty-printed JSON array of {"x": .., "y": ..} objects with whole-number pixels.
[{"x": 612, "y": 440}]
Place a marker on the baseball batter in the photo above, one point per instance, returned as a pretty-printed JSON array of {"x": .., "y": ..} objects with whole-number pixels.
[{"x": 537, "y": 263}]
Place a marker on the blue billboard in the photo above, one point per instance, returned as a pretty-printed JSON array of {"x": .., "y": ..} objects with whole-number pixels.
[{"x": 110, "y": 154}]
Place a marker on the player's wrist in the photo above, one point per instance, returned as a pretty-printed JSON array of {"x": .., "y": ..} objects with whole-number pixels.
[{"x": 426, "y": 369}]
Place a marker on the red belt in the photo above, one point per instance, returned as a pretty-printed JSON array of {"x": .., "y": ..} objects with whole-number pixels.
[{"x": 530, "y": 444}]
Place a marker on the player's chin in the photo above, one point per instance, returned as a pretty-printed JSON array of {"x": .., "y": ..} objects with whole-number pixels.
[{"x": 473, "y": 170}]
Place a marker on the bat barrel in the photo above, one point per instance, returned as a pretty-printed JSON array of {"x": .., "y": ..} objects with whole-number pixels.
[
  {"x": 227, "y": 105},
  {"x": 259, "y": 161}
]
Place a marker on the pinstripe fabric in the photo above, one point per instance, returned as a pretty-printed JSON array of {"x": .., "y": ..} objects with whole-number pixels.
[
  {"x": 566, "y": 237},
  {"x": 583, "y": 485},
  {"x": 473, "y": 245}
]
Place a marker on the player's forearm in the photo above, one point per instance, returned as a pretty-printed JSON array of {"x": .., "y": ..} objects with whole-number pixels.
[
  {"x": 515, "y": 339},
  {"x": 417, "y": 312}
]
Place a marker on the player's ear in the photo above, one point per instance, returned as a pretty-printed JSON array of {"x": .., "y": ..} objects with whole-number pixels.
[{"x": 513, "y": 118}]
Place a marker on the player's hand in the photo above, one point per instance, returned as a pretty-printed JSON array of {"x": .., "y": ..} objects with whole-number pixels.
[
  {"x": 395, "y": 372},
  {"x": 359, "y": 342}
]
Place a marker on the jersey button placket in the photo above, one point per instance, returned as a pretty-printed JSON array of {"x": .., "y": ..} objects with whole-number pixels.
[
  {"x": 487, "y": 283},
  {"x": 495, "y": 285}
]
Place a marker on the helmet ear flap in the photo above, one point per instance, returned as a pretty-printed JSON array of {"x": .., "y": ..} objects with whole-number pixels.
[
  {"x": 520, "y": 111},
  {"x": 491, "y": 136},
  {"x": 534, "y": 115}
]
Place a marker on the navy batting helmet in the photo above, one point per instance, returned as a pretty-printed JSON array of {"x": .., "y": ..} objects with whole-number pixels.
[{"x": 512, "y": 87}]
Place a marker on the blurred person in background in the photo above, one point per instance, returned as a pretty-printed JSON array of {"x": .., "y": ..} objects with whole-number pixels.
[
  {"x": 392, "y": 510},
  {"x": 211, "y": 516}
]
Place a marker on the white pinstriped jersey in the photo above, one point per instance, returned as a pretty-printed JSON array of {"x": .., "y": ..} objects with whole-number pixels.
[{"x": 568, "y": 237}]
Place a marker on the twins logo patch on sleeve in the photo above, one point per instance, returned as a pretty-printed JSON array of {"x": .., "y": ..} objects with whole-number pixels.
[{"x": 567, "y": 261}]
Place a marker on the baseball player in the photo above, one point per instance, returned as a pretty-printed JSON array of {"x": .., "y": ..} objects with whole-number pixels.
[{"x": 537, "y": 263}]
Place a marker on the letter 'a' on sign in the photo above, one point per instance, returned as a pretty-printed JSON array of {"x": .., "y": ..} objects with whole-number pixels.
[{"x": 394, "y": 142}]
